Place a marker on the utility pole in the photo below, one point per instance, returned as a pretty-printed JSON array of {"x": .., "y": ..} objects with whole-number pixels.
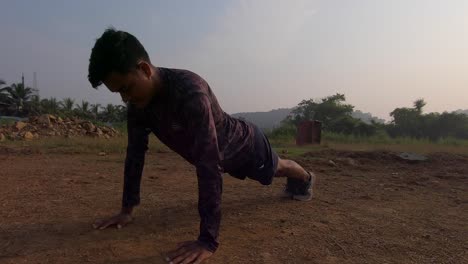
[
  {"x": 35, "y": 83},
  {"x": 19, "y": 107}
]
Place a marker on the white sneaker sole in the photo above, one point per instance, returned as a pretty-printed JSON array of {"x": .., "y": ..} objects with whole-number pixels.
[{"x": 308, "y": 197}]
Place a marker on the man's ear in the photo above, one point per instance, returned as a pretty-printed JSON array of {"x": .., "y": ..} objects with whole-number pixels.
[{"x": 146, "y": 68}]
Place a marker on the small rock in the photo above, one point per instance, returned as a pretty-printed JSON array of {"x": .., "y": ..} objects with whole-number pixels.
[
  {"x": 2, "y": 137},
  {"x": 99, "y": 131},
  {"x": 102, "y": 154},
  {"x": 20, "y": 125},
  {"x": 28, "y": 136},
  {"x": 332, "y": 163},
  {"x": 351, "y": 162},
  {"x": 44, "y": 119},
  {"x": 365, "y": 197},
  {"x": 89, "y": 127},
  {"x": 412, "y": 157},
  {"x": 13, "y": 135}
]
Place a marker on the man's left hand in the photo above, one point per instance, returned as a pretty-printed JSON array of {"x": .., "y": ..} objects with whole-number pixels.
[{"x": 189, "y": 252}]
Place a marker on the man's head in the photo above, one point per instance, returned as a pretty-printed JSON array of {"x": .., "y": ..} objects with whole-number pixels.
[{"x": 120, "y": 62}]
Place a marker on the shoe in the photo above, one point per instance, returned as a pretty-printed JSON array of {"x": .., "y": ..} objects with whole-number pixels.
[
  {"x": 303, "y": 190},
  {"x": 290, "y": 187}
]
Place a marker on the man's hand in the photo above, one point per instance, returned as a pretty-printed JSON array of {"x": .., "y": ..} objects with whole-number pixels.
[
  {"x": 120, "y": 220},
  {"x": 189, "y": 252}
]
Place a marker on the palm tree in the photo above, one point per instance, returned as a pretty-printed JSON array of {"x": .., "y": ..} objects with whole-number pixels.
[
  {"x": 50, "y": 106},
  {"x": 95, "y": 111},
  {"x": 67, "y": 105},
  {"x": 419, "y": 104},
  {"x": 83, "y": 109},
  {"x": 34, "y": 105},
  {"x": 3, "y": 96},
  {"x": 4, "y": 99},
  {"x": 121, "y": 113},
  {"x": 109, "y": 113},
  {"x": 18, "y": 95}
]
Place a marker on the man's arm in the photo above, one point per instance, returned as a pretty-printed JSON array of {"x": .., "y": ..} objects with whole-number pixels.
[
  {"x": 137, "y": 146},
  {"x": 207, "y": 161},
  {"x": 134, "y": 162}
]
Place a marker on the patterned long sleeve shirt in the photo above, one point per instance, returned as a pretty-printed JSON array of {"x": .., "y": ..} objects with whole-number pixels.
[{"x": 187, "y": 118}]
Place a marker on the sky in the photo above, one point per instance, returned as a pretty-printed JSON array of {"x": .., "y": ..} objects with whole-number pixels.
[{"x": 256, "y": 55}]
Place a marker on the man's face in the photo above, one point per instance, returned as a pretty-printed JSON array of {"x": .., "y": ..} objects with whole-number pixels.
[{"x": 135, "y": 87}]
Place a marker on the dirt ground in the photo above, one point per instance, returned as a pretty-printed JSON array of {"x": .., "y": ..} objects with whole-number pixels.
[{"x": 370, "y": 207}]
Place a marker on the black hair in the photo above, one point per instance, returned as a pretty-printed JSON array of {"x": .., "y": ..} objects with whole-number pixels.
[{"x": 115, "y": 51}]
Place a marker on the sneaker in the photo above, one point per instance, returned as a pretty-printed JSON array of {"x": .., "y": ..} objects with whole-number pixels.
[
  {"x": 290, "y": 187},
  {"x": 304, "y": 190}
]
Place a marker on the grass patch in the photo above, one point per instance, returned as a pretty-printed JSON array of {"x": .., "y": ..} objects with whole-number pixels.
[
  {"x": 83, "y": 145},
  {"x": 283, "y": 145},
  {"x": 375, "y": 143},
  {"x": 7, "y": 121},
  {"x": 381, "y": 139},
  {"x": 297, "y": 151},
  {"x": 415, "y": 148}
]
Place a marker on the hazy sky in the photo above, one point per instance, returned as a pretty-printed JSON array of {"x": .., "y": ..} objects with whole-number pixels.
[{"x": 257, "y": 55}]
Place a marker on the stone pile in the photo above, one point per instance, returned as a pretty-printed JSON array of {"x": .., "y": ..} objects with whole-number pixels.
[{"x": 52, "y": 126}]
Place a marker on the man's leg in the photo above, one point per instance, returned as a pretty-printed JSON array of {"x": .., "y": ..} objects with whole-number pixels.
[
  {"x": 290, "y": 169},
  {"x": 266, "y": 165},
  {"x": 300, "y": 182}
]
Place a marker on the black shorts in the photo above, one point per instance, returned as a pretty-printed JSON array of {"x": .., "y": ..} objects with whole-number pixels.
[{"x": 262, "y": 163}]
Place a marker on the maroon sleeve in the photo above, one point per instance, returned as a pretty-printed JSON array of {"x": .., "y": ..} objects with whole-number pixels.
[
  {"x": 205, "y": 149},
  {"x": 135, "y": 160}
]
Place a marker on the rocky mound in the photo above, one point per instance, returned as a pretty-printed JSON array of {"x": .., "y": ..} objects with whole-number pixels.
[{"x": 51, "y": 126}]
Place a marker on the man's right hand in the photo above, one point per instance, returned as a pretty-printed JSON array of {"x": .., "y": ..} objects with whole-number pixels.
[{"x": 120, "y": 220}]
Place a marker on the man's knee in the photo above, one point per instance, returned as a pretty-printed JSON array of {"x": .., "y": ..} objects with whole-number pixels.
[{"x": 283, "y": 165}]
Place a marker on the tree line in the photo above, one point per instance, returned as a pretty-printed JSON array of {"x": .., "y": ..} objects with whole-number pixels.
[
  {"x": 18, "y": 100},
  {"x": 333, "y": 112},
  {"x": 336, "y": 117}
]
